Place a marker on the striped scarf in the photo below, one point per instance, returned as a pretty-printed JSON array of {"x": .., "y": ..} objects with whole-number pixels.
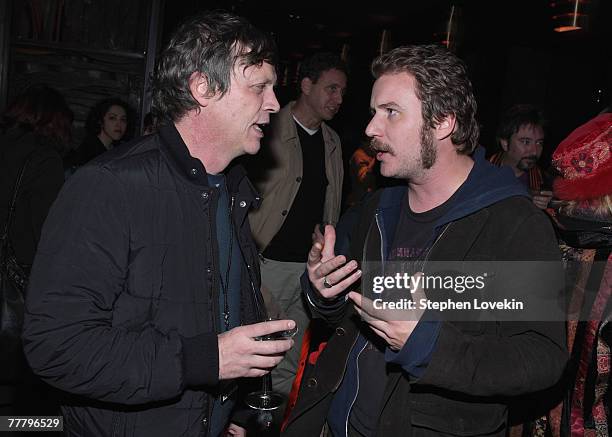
[{"x": 535, "y": 174}]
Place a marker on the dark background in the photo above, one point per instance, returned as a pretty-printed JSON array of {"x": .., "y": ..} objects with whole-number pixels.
[
  {"x": 512, "y": 52},
  {"x": 101, "y": 47}
]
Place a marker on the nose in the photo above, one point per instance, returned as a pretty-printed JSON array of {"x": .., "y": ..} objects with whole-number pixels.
[
  {"x": 372, "y": 130},
  {"x": 538, "y": 149},
  {"x": 271, "y": 103},
  {"x": 338, "y": 97},
  {"x": 532, "y": 149}
]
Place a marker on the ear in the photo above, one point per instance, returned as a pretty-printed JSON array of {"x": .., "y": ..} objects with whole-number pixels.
[
  {"x": 198, "y": 86},
  {"x": 445, "y": 127},
  {"x": 504, "y": 144},
  {"x": 306, "y": 85}
]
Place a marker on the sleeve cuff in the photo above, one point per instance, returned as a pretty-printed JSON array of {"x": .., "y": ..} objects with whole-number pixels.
[
  {"x": 416, "y": 353},
  {"x": 201, "y": 360},
  {"x": 316, "y": 301}
]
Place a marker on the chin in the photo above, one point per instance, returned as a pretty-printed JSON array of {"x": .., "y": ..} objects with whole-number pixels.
[{"x": 252, "y": 150}]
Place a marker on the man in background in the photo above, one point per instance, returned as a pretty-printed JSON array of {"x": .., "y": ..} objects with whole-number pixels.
[
  {"x": 521, "y": 135},
  {"x": 299, "y": 174}
]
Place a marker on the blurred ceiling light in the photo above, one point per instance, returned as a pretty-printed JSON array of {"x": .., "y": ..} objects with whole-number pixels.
[
  {"x": 570, "y": 15},
  {"x": 450, "y": 30},
  {"x": 344, "y": 54},
  {"x": 384, "y": 45}
]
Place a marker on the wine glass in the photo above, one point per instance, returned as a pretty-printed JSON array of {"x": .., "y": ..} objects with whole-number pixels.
[{"x": 267, "y": 400}]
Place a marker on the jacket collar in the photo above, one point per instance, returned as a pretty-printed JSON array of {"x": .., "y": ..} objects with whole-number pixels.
[
  {"x": 288, "y": 129},
  {"x": 188, "y": 166},
  {"x": 193, "y": 169}
]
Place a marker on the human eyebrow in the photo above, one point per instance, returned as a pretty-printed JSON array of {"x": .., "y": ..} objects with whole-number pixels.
[
  {"x": 385, "y": 107},
  {"x": 390, "y": 106},
  {"x": 264, "y": 83}
]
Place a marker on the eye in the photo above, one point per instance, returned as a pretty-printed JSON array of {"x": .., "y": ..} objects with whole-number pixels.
[
  {"x": 391, "y": 112},
  {"x": 333, "y": 89}
]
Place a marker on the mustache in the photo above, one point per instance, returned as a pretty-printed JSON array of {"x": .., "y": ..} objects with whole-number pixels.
[{"x": 378, "y": 146}]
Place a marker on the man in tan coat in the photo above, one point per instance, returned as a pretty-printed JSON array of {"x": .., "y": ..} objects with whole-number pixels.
[{"x": 299, "y": 175}]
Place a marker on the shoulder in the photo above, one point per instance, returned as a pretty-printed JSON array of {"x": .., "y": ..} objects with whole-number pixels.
[
  {"x": 137, "y": 155},
  {"x": 515, "y": 209},
  {"x": 330, "y": 132},
  {"x": 518, "y": 221}
]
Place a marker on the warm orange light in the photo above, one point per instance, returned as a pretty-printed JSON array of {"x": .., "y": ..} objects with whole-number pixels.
[
  {"x": 567, "y": 28},
  {"x": 572, "y": 19}
]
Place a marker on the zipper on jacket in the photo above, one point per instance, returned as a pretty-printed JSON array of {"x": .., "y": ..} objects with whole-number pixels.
[
  {"x": 358, "y": 334},
  {"x": 346, "y": 363},
  {"x": 212, "y": 236},
  {"x": 382, "y": 257},
  {"x": 382, "y": 248},
  {"x": 257, "y": 304},
  {"x": 433, "y": 245},
  {"x": 357, "y": 393}
]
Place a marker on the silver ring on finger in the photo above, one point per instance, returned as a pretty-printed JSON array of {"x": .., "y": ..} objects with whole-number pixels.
[{"x": 326, "y": 283}]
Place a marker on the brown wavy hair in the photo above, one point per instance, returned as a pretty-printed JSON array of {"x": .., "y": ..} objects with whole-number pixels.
[{"x": 442, "y": 86}]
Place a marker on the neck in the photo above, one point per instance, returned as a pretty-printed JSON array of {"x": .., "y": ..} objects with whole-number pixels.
[
  {"x": 202, "y": 145},
  {"x": 304, "y": 113},
  {"x": 438, "y": 184},
  {"x": 105, "y": 139}
]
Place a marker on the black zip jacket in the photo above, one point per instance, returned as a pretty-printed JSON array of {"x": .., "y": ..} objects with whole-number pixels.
[
  {"x": 476, "y": 367},
  {"x": 122, "y": 310}
]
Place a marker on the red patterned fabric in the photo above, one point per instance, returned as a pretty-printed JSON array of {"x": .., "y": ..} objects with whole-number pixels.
[
  {"x": 584, "y": 160},
  {"x": 590, "y": 340}
]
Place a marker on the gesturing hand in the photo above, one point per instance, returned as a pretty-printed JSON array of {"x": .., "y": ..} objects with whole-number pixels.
[
  {"x": 241, "y": 355},
  {"x": 393, "y": 326},
  {"x": 328, "y": 273}
]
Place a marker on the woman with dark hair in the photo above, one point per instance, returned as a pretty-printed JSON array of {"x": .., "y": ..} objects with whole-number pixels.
[
  {"x": 107, "y": 124},
  {"x": 34, "y": 132}
]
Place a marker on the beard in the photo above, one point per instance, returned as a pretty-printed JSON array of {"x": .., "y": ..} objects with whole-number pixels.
[
  {"x": 429, "y": 152},
  {"x": 427, "y": 156},
  {"x": 527, "y": 163}
]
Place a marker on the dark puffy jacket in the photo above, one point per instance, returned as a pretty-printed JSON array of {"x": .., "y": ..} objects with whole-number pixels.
[
  {"x": 122, "y": 306},
  {"x": 42, "y": 180}
]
